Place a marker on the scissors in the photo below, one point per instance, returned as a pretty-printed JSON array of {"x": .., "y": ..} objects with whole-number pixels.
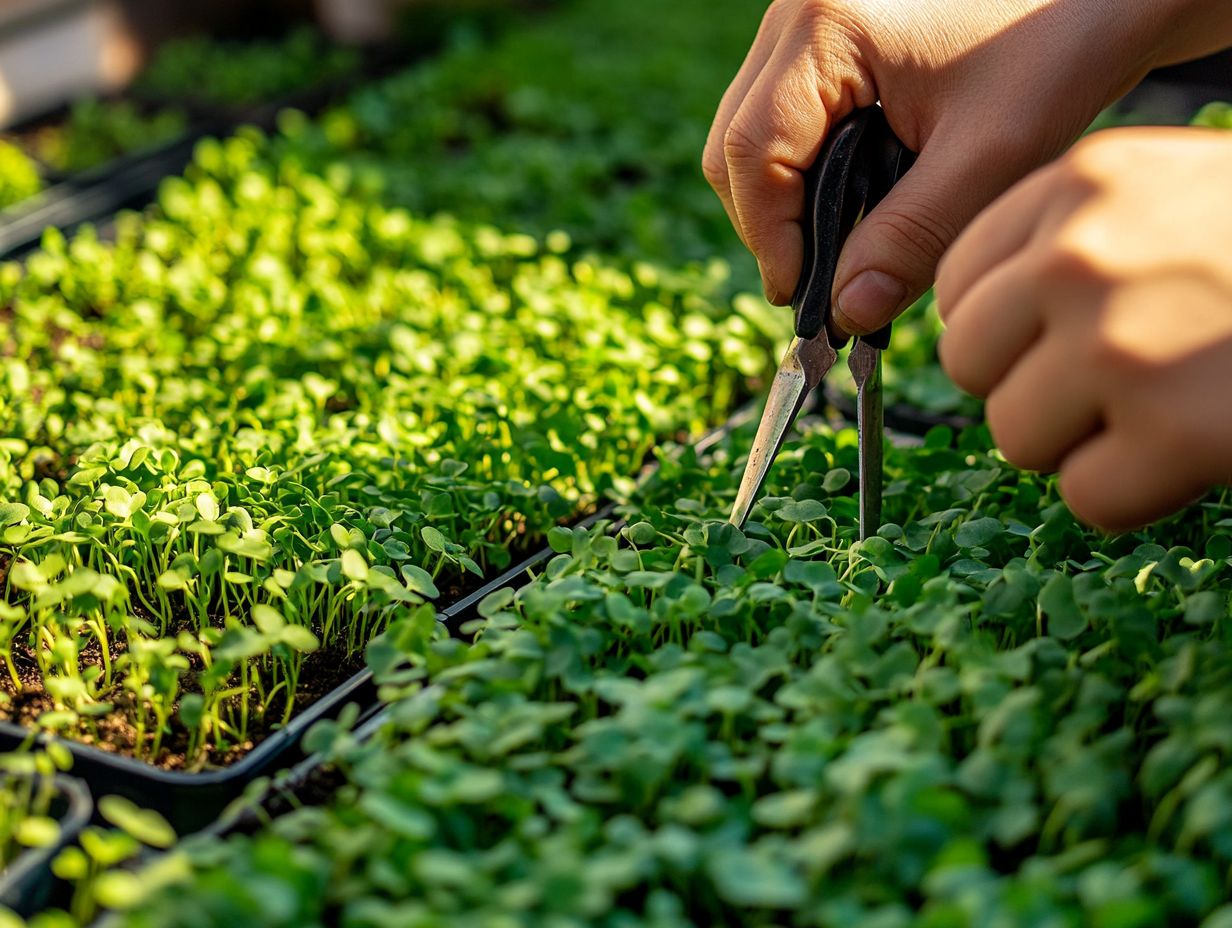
[{"x": 859, "y": 163}]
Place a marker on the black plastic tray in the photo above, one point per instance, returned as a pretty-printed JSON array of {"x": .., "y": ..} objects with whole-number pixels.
[
  {"x": 26, "y": 886},
  {"x": 131, "y": 181},
  {"x": 191, "y": 801},
  {"x": 128, "y": 181}
]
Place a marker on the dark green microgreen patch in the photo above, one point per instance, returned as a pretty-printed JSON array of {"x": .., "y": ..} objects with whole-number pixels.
[
  {"x": 204, "y": 69},
  {"x": 19, "y": 175},
  {"x": 97, "y": 131},
  {"x": 279, "y": 412}
]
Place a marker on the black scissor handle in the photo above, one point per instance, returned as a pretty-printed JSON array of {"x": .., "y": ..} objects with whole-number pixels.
[{"x": 860, "y": 161}]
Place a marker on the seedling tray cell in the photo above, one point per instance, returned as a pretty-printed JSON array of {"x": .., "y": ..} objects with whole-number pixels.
[
  {"x": 27, "y": 885},
  {"x": 130, "y": 181},
  {"x": 191, "y": 800}
]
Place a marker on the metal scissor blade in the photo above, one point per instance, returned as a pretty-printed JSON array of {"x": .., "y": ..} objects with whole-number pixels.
[
  {"x": 804, "y": 365},
  {"x": 864, "y": 360}
]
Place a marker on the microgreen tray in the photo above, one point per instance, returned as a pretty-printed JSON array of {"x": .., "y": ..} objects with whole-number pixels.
[
  {"x": 127, "y": 181},
  {"x": 192, "y": 800},
  {"x": 26, "y": 886},
  {"x": 130, "y": 181}
]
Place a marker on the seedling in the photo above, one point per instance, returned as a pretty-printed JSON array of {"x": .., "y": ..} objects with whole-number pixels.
[
  {"x": 376, "y": 439},
  {"x": 985, "y": 712},
  {"x": 27, "y": 795},
  {"x": 97, "y": 131},
  {"x": 203, "y": 69},
  {"x": 19, "y": 175}
]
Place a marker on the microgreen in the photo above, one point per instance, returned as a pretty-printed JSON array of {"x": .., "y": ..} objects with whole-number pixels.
[
  {"x": 283, "y": 411},
  {"x": 19, "y": 175},
  {"x": 204, "y": 69},
  {"x": 27, "y": 814},
  {"x": 1216, "y": 115},
  {"x": 95, "y": 866},
  {"x": 983, "y": 714},
  {"x": 376, "y": 435},
  {"x": 97, "y": 131}
]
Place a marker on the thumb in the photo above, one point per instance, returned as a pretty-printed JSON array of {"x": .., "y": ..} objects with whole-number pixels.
[{"x": 890, "y": 259}]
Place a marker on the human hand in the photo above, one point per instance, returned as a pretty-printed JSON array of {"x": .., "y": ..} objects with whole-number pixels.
[
  {"x": 985, "y": 92},
  {"x": 1092, "y": 306}
]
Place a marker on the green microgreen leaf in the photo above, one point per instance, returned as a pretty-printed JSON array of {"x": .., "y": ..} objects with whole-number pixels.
[{"x": 146, "y": 826}]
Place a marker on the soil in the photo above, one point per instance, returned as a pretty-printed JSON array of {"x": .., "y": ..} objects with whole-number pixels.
[
  {"x": 322, "y": 671},
  {"x": 318, "y": 787}
]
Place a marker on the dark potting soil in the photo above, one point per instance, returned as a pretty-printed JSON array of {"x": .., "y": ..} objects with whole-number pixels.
[{"x": 115, "y": 732}]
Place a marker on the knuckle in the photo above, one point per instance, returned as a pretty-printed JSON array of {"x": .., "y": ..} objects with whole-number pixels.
[
  {"x": 1095, "y": 165},
  {"x": 1068, "y": 259},
  {"x": 741, "y": 145},
  {"x": 714, "y": 166},
  {"x": 1091, "y": 156},
  {"x": 1175, "y": 435},
  {"x": 814, "y": 11},
  {"x": 1110, "y": 151},
  {"x": 829, "y": 15},
  {"x": 1125, "y": 362},
  {"x": 780, "y": 11},
  {"x": 1117, "y": 361}
]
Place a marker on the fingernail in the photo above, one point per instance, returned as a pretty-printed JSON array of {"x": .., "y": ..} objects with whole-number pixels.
[{"x": 869, "y": 301}]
